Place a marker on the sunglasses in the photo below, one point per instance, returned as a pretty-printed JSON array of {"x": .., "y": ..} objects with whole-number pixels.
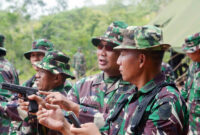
[{"x": 108, "y": 47}]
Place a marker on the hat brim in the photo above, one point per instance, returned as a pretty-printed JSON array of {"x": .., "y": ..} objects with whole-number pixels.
[
  {"x": 2, "y": 51},
  {"x": 97, "y": 40},
  {"x": 54, "y": 70},
  {"x": 191, "y": 49},
  {"x": 27, "y": 55},
  {"x": 160, "y": 47}
]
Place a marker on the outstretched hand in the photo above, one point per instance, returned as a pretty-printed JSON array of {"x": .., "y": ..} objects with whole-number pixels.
[
  {"x": 53, "y": 118},
  {"x": 59, "y": 99}
]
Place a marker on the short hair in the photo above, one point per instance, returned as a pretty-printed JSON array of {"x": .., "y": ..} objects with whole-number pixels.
[{"x": 155, "y": 56}]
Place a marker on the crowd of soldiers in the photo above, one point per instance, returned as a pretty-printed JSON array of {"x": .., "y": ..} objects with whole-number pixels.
[{"x": 134, "y": 94}]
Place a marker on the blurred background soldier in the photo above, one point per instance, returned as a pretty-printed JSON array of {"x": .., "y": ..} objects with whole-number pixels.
[
  {"x": 79, "y": 63},
  {"x": 7, "y": 74},
  {"x": 191, "y": 92},
  {"x": 168, "y": 71}
]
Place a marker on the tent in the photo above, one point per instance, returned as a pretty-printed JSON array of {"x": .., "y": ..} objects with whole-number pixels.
[{"x": 179, "y": 19}]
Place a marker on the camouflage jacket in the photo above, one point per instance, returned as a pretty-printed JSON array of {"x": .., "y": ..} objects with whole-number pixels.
[
  {"x": 8, "y": 105},
  {"x": 168, "y": 71},
  {"x": 165, "y": 114},
  {"x": 30, "y": 125},
  {"x": 96, "y": 96},
  {"x": 191, "y": 93}
]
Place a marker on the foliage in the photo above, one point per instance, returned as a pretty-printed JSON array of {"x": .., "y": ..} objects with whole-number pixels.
[{"x": 68, "y": 29}]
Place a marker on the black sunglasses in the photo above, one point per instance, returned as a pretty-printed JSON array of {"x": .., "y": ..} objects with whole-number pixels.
[{"x": 108, "y": 47}]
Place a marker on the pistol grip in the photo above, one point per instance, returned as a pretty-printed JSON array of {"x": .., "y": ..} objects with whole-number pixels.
[{"x": 33, "y": 106}]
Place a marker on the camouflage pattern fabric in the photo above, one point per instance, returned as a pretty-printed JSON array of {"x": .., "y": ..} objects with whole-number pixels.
[
  {"x": 79, "y": 64},
  {"x": 112, "y": 34},
  {"x": 191, "y": 93},
  {"x": 192, "y": 43},
  {"x": 31, "y": 126},
  {"x": 143, "y": 38},
  {"x": 57, "y": 63},
  {"x": 164, "y": 115},
  {"x": 169, "y": 73},
  {"x": 97, "y": 95},
  {"x": 40, "y": 45},
  {"x": 8, "y": 105}
]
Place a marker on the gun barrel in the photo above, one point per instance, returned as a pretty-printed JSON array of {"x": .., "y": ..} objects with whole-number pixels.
[{"x": 17, "y": 88}]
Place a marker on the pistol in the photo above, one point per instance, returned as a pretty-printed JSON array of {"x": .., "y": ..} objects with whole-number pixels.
[
  {"x": 25, "y": 92},
  {"x": 71, "y": 117}
]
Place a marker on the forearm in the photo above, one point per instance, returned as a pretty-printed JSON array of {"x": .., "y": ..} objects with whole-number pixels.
[{"x": 71, "y": 106}]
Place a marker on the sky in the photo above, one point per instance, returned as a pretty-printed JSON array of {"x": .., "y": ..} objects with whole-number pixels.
[
  {"x": 51, "y": 3},
  {"x": 76, "y": 3}
]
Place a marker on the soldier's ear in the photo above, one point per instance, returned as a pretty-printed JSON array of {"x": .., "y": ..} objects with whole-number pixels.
[
  {"x": 142, "y": 60},
  {"x": 58, "y": 78}
]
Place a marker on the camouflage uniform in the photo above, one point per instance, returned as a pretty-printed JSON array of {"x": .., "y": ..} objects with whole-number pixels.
[
  {"x": 165, "y": 113},
  {"x": 79, "y": 64},
  {"x": 168, "y": 71},
  {"x": 8, "y": 104},
  {"x": 191, "y": 92},
  {"x": 56, "y": 62},
  {"x": 97, "y": 94}
]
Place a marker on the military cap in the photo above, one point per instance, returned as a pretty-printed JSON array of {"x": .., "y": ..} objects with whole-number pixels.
[
  {"x": 56, "y": 62},
  {"x": 112, "y": 34},
  {"x": 192, "y": 43},
  {"x": 40, "y": 45},
  {"x": 2, "y": 49},
  {"x": 146, "y": 37}
]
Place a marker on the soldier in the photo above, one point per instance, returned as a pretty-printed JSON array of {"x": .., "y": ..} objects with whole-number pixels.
[
  {"x": 36, "y": 54},
  {"x": 168, "y": 71},
  {"x": 51, "y": 74},
  {"x": 7, "y": 74},
  {"x": 79, "y": 63},
  {"x": 155, "y": 107},
  {"x": 191, "y": 91},
  {"x": 93, "y": 97}
]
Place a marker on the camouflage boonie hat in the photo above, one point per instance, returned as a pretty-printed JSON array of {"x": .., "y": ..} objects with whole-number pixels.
[
  {"x": 2, "y": 49},
  {"x": 192, "y": 43},
  {"x": 56, "y": 62},
  {"x": 112, "y": 34},
  {"x": 146, "y": 37},
  {"x": 40, "y": 45}
]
